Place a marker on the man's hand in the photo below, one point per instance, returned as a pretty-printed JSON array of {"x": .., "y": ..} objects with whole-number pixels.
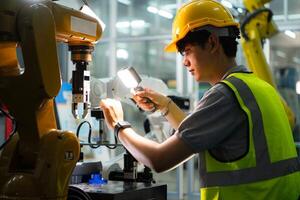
[
  {"x": 158, "y": 99},
  {"x": 112, "y": 110}
]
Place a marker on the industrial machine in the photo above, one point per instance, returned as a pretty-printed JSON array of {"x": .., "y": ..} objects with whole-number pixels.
[
  {"x": 125, "y": 181},
  {"x": 257, "y": 26},
  {"x": 37, "y": 161}
]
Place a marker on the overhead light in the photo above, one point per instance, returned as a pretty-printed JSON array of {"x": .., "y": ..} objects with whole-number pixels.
[
  {"x": 294, "y": 16},
  {"x": 152, "y": 9},
  {"x": 227, "y": 4},
  {"x": 298, "y": 87},
  {"x": 296, "y": 60},
  {"x": 137, "y": 24},
  {"x": 122, "y": 54},
  {"x": 125, "y": 2},
  {"x": 152, "y": 52},
  {"x": 290, "y": 33},
  {"x": 280, "y": 54},
  {"x": 133, "y": 24},
  {"x": 165, "y": 14},
  {"x": 124, "y": 24},
  {"x": 160, "y": 12},
  {"x": 87, "y": 10}
]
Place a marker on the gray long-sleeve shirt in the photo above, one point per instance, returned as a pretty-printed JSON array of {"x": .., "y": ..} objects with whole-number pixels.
[{"x": 217, "y": 124}]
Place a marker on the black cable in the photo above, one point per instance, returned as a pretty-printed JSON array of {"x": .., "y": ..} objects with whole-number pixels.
[
  {"x": 14, "y": 129},
  {"x": 250, "y": 16},
  {"x": 98, "y": 145},
  {"x": 113, "y": 146},
  {"x": 89, "y": 133},
  {"x": 94, "y": 146},
  {"x": 80, "y": 125}
]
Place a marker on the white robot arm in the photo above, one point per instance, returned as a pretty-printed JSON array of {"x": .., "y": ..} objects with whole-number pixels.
[{"x": 115, "y": 89}]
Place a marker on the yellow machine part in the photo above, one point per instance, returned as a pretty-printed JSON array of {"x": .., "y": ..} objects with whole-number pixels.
[{"x": 259, "y": 28}]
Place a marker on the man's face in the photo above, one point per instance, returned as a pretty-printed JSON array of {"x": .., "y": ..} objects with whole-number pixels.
[{"x": 197, "y": 61}]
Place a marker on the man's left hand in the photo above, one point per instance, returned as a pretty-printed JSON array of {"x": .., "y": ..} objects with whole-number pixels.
[{"x": 113, "y": 111}]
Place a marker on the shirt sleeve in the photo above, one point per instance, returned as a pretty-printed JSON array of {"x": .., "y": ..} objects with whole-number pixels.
[{"x": 214, "y": 119}]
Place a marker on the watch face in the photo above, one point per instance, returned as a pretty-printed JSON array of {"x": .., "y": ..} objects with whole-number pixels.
[
  {"x": 121, "y": 125},
  {"x": 124, "y": 123}
]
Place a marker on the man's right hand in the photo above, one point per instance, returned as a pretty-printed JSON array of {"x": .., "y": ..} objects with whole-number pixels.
[{"x": 158, "y": 99}]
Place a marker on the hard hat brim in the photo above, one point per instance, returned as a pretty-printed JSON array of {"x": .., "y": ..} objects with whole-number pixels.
[{"x": 171, "y": 47}]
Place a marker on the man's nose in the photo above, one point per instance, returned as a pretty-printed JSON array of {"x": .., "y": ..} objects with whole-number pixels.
[{"x": 185, "y": 62}]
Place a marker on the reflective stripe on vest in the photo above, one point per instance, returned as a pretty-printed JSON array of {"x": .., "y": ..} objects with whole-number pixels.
[{"x": 264, "y": 169}]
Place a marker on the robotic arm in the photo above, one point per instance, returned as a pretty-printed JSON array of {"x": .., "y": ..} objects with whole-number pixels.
[
  {"x": 37, "y": 162},
  {"x": 114, "y": 88},
  {"x": 256, "y": 27},
  {"x": 80, "y": 32}
]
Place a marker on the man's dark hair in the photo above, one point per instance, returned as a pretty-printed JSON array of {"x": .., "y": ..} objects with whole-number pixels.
[{"x": 200, "y": 38}]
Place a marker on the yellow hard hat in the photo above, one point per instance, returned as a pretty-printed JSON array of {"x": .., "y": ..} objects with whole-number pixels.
[{"x": 196, "y": 14}]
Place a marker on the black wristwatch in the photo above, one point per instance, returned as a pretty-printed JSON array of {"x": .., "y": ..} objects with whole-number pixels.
[{"x": 121, "y": 125}]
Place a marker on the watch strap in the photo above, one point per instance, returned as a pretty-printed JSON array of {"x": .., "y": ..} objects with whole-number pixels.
[{"x": 119, "y": 126}]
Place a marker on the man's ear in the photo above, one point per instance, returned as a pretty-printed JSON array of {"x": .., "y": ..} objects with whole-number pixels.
[{"x": 214, "y": 42}]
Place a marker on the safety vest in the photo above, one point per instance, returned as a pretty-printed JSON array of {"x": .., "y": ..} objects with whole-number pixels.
[{"x": 270, "y": 169}]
